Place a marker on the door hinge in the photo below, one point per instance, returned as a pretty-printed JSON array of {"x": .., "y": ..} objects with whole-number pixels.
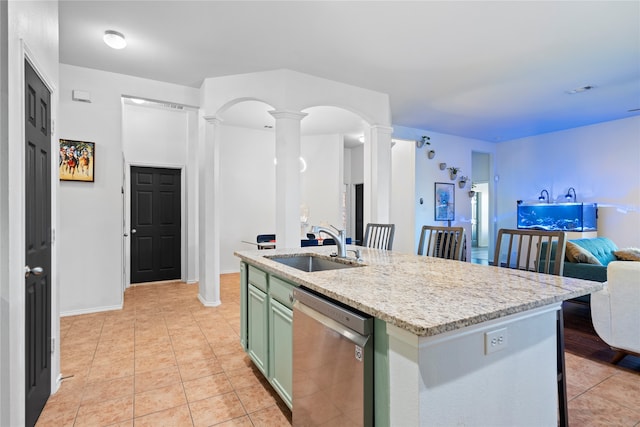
[
  {"x": 53, "y": 127},
  {"x": 53, "y": 345},
  {"x": 53, "y": 235}
]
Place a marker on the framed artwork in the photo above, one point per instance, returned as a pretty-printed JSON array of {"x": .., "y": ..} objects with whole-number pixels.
[
  {"x": 76, "y": 160},
  {"x": 444, "y": 203}
]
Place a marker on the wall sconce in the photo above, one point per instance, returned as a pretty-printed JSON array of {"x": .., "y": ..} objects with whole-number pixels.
[
  {"x": 542, "y": 197},
  {"x": 569, "y": 197}
]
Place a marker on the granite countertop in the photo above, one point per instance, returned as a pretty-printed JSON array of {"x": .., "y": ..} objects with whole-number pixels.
[{"x": 424, "y": 295}]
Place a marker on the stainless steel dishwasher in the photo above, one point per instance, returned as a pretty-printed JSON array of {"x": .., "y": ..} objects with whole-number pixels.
[{"x": 332, "y": 363}]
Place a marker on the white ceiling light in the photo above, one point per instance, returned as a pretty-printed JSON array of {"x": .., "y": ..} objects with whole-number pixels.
[{"x": 114, "y": 39}]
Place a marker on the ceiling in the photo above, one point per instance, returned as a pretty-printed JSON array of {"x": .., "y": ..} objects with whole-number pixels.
[{"x": 493, "y": 71}]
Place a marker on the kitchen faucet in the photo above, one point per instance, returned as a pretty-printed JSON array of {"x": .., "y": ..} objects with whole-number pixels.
[{"x": 340, "y": 238}]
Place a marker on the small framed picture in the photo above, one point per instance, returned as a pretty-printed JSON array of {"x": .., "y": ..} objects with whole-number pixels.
[
  {"x": 76, "y": 161},
  {"x": 444, "y": 202}
]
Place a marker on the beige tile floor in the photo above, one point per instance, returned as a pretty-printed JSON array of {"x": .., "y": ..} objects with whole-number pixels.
[{"x": 165, "y": 360}]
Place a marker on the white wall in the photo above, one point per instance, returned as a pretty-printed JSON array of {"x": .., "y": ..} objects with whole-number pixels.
[
  {"x": 247, "y": 190},
  {"x": 454, "y": 151},
  {"x": 357, "y": 164},
  {"x": 5, "y": 341},
  {"x": 91, "y": 231},
  {"x": 600, "y": 161},
  {"x": 321, "y": 183},
  {"x": 481, "y": 177},
  {"x": 403, "y": 201},
  {"x": 247, "y": 186},
  {"x": 354, "y": 174},
  {"x": 160, "y": 137},
  {"x": 26, "y": 29}
]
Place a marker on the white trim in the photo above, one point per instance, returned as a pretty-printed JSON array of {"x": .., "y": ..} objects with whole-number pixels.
[
  {"x": 127, "y": 215},
  {"x": 207, "y": 303},
  {"x": 14, "y": 371},
  {"x": 54, "y": 185},
  {"x": 92, "y": 310}
]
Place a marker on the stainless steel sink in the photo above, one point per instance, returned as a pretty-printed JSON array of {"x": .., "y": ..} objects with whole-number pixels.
[{"x": 311, "y": 263}]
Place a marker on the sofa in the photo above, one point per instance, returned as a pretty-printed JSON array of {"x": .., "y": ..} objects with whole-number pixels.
[
  {"x": 615, "y": 310},
  {"x": 588, "y": 258}
]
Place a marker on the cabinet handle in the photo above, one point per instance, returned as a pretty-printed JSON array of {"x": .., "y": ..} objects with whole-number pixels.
[{"x": 291, "y": 298}]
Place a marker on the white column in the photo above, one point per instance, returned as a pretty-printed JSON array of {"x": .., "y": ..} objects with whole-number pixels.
[
  {"x": 209, "y": 213},
  {"x": 377, "y": 174},
  {"x": 288, "y": 178},
  {"x": 192, "y": 196}
]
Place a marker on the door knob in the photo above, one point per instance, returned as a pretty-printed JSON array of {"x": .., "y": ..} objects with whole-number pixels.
[
  {"x": 36, "y": 271},
  {"x": 134, "y": 231}
]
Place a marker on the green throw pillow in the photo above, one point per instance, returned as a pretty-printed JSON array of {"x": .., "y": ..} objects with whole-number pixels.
[{"x": 575, "y": 253}]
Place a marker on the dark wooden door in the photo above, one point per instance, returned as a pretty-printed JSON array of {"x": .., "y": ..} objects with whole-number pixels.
[
  {"x": 155, "y": 224},
  {"x": 359, "y": 213},
  {"x": 37, "y": 245}
]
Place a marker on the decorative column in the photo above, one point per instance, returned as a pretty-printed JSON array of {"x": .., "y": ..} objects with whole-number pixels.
[
  {"x": 288, "y": 178},
  {"x": 377, "y": 174},
  {"x": 209, "y": 213}
]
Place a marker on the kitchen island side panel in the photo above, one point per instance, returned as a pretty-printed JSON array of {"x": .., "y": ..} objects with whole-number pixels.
[{"x": 450, "y": 379}]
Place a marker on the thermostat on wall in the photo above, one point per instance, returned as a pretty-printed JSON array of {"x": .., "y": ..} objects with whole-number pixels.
[{"x": 81, "y": 96}]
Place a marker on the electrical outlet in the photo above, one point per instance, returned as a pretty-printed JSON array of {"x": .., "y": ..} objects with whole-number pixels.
[{"x": 495, "y": 340}]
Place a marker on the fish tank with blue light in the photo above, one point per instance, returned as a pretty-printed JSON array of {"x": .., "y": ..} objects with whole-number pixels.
[{"x": 558, "y": 216}]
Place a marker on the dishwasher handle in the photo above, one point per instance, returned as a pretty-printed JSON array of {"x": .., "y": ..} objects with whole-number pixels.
[
  {"x": 354, "y": 337},
  {"x": 357, "y": 322}
]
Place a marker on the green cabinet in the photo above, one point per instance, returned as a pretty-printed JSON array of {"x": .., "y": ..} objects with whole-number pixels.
[
  {"x": 243, "y": 304},
  {"x": 266, "y": 322},
  {"x": 281, "y": 349},
  {"x": 257, "y": 333}
]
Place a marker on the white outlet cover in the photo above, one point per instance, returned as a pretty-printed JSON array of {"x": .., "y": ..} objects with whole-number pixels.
[{"x": 496, "y": 340}]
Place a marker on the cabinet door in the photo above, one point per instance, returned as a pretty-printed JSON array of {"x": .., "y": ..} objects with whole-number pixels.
[
  {"x": 281, "y": 349},
  {"x": 257, "y": 328},
  {"x": 243, "y": 305}
]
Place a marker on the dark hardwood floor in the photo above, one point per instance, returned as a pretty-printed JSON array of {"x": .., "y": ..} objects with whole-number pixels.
[{"x": 582, "y": 340}]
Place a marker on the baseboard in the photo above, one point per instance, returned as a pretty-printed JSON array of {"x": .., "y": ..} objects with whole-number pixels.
[
  {"x": 208, "y": 303},
  {"x": 90, "y": 310}
]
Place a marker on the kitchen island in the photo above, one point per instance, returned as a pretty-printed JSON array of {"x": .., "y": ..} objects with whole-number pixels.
[{"x": 456, "y": 343}]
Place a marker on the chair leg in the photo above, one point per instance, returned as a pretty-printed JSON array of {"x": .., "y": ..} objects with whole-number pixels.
[
  {"x": 618, "y": 357},
  {"x": 563, "y": 414}
]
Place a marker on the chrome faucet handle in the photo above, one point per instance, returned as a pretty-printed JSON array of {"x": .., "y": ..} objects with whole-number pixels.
[
  {"x": 356, "y": 252},
  {"x": 336, "y": 228}
]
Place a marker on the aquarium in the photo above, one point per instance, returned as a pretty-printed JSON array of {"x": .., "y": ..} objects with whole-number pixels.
[{"x": 558, "y": 216}]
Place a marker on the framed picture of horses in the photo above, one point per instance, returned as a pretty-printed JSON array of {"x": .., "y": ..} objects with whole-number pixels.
[{"x": 76, "y": 160}]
